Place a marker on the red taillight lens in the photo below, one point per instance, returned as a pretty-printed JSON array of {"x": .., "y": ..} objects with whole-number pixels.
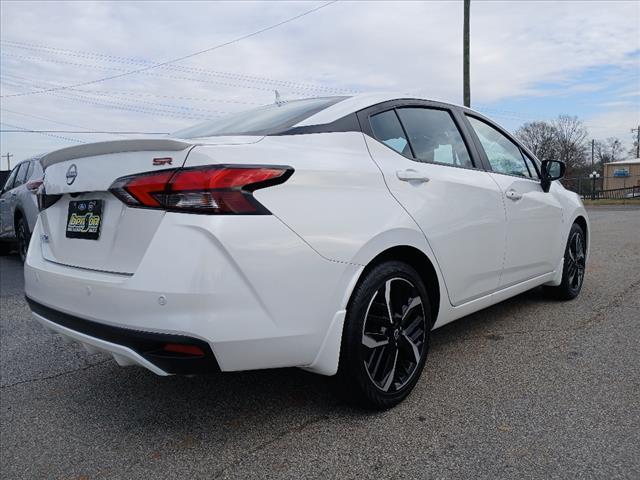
[
  {"x": 34, "y": 185},
  {"x": 219, "y": 189}
]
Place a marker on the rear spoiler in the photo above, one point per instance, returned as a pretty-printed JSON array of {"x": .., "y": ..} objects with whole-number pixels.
[{"x": 113, "y": 146}]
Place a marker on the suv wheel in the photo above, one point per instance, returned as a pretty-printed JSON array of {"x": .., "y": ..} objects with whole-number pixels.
[
  {"x": 386, "y": 336},
  {"x": 22, "y": 236}
]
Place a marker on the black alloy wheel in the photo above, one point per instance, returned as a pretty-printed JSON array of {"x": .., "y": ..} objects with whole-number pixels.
[{"x": 386, "y": 336}]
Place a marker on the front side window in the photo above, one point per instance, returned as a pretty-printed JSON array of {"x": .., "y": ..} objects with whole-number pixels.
[
  {"x": 386, "y": 128},
  {"x": 434, "y": 136},
  {"x": 504, "y": 156}
]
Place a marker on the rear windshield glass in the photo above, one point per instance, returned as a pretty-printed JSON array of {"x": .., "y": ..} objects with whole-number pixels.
[{"x": 266, "y": 120}]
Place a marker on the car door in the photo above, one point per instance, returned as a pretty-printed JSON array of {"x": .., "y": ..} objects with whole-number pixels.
[
  {"x": 6, "y": 201},
  {"x": 534, "y": 217},
  {"x": 429, "y": 167}
]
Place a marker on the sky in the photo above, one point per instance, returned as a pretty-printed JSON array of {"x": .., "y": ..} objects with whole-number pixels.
[{"x": 530, "y": 60}]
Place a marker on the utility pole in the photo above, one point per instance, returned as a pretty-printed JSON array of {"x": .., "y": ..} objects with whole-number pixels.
[
  {"x": 8, "y": 157},
  {"x": 465, "y": 56},
  {"x": 637, "y": 130}
]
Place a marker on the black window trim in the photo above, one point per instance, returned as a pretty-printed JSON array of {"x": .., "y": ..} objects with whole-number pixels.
[
  {"x": 530, "y": 158},
  {"x": 483, "y": 154},
  {"x": 365, "y": 114}
]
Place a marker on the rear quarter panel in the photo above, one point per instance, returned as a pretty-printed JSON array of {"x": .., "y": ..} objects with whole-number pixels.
[{"x": 336, "y": 200}]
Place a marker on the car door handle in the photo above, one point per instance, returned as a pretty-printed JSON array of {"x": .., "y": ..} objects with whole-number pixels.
[
  {"x": 411, "y": 175},
  {"x": 513, "y": 195}
]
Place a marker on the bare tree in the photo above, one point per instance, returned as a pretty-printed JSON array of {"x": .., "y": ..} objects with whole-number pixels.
[
  {"x": 540, "y": 138},
  {"x": 571, "y": 136},
  {"x": 634, "y": 152},
  {"x": 609, "y": 150}
]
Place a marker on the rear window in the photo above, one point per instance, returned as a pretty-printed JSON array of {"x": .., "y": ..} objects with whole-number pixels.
[{"x": 266, "y": 120}]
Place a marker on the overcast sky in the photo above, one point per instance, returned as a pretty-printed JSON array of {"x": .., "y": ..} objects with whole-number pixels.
[{"x": 529, "y": 61}]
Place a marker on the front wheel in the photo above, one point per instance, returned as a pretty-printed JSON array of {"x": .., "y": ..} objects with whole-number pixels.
[
  {"x": 574, "y": 266},
  {"x": 386, "y": 336}
]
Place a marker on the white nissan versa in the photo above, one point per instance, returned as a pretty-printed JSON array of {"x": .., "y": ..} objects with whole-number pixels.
[{"x": 330, "y": 233}]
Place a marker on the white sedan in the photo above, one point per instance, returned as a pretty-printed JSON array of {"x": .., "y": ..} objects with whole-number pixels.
[{"x": 331, "y": 234}]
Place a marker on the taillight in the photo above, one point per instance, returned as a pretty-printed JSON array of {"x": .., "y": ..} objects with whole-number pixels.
[
  {"x": 34, "y": 185},
  {"x": 44, "y": 200},
  {"x": 216, "y": 189}
]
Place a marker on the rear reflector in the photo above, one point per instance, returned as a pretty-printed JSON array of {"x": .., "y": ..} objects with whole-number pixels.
[
  {"x": 217, "y": 189},
  {"x": 184, "y": 349}
]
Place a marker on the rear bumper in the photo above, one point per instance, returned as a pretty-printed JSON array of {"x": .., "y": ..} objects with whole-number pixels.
[
  {"x": 257, "y": 300},
  {"x": 128, "y": 347}
]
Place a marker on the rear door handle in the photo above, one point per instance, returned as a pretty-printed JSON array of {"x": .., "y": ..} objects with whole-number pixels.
[
  {"x": 513, "y": 195},
  {"x": 411, "y": 175}
]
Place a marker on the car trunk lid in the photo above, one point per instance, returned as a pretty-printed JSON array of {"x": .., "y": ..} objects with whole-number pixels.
[{"x": 82, "y": 176}]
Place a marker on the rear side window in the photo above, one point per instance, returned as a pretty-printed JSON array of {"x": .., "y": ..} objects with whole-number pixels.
[
  {"x": 21, "y": 176},
  {"x": 36, "y": 169},
  {"x": 504, "y": 156},
  {"x": 434, "y": 136},
  {"x": 267, "y": 120},
  {"x": 386, "y": 128},
  {"x": 29, "y": 171}
]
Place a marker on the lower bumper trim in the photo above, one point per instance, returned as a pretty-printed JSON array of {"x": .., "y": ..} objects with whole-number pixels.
[{"x": 147, "y": 345}]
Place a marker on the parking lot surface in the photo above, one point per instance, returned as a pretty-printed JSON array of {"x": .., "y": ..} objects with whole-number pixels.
[{"x": 529, "y": 388}]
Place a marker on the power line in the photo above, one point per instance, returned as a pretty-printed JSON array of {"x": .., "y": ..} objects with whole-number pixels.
[
  {"x": 82, "y": 131},
  {"x": 184, "y": 57},
  {"x": 249, "y": 84},
  {"x": 165, "y": 111},
  {"x": 75, "y": 140},
  {"x": 41, "y": 118},
  {"x": 183, "y": 68}
]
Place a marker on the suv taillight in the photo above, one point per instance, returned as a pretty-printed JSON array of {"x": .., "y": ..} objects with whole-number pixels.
[
  {"x": 34, "y": 185},
  {"x": 213, "y": 189}
]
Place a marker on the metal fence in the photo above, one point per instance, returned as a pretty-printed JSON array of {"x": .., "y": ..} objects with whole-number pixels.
[
  {"x": 628, "y": 193},
  {"x": 625, "y": 187}
]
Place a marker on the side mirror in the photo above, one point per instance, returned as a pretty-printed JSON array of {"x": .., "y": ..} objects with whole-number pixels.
[{"x": 551, "y": 170}]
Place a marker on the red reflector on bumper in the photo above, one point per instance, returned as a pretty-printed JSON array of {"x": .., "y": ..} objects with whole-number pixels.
[{"x": 184, "y": 349}]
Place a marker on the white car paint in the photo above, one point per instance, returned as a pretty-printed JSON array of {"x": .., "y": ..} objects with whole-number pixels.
[{"x": 272, "y": 290}]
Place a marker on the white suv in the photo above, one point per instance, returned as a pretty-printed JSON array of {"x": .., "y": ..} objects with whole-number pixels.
[
  {"x": 18, "y": 207},
  {"x": 331, "y": 234}
]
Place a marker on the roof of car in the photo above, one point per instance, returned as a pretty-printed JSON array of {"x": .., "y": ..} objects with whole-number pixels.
[{"x": 357, "y": 102}]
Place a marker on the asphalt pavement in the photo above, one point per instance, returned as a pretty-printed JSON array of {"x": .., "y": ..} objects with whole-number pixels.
[{"x": 529, "y": 388}]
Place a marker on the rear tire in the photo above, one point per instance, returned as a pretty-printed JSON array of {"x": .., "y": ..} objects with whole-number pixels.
[
  {"x": 23, "y": 236},
  {"x": 386, "y": 336},
  {"x": 573, "y": 268}
]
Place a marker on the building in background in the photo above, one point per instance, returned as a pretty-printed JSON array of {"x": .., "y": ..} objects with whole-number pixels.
[{"x": 622, "y": 174}]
